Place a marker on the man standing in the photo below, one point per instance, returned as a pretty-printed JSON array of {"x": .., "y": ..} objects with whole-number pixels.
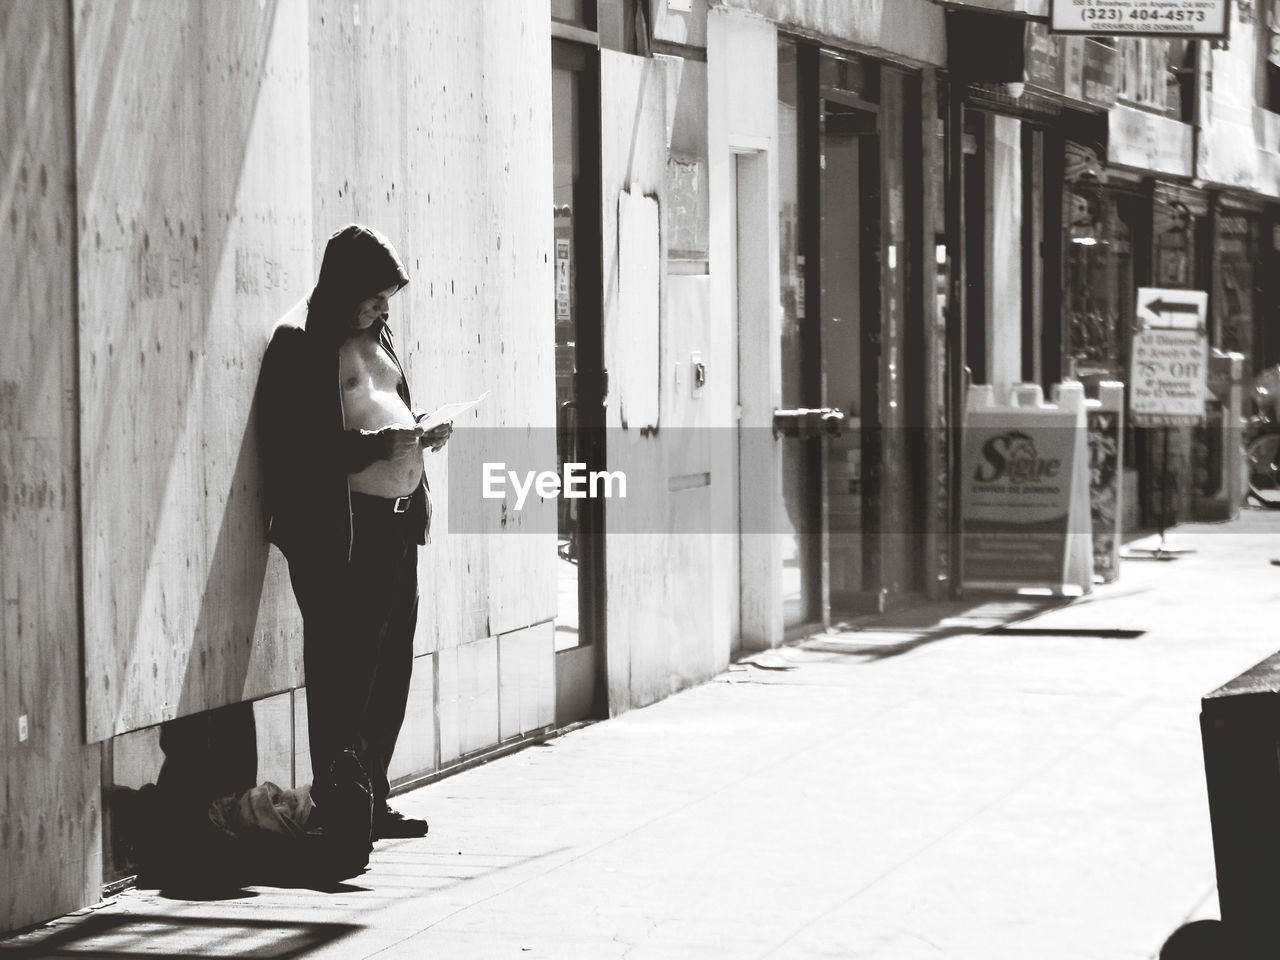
[{"x": 348, "y": 505}]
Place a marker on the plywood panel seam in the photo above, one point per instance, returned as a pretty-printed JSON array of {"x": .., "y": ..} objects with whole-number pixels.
[{"x": 523, "y": 627}]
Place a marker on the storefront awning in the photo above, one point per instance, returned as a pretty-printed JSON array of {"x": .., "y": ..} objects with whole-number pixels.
[{"x": 1034, "y": 9}]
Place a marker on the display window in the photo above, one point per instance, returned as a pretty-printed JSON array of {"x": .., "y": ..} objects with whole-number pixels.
[
  {"x": 1236, "y": 241},
  {"x": 1098, "y": 278}
]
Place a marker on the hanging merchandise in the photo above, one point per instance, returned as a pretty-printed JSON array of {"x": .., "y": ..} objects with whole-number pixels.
[{"x": 1106, "y": 492}]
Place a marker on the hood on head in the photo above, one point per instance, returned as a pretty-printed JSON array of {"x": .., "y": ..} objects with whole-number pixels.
[{"x": 358, "y": 263}]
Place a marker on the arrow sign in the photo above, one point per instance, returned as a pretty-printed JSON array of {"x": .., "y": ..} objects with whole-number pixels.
[
  {"x": 1163, "y": 308},
  {"x": 1171, "y": 306}
]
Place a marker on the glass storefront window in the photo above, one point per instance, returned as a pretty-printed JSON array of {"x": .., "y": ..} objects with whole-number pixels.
[
  {"x": 565, "y": 164},
  {"x": 1098, "y": 279},
  {"x": 845, "y": 75},
  {"x": 800, "y": 585},
  {"x": 1173, "y": 240},
  {"x": 1150, "y": 74},
  {"x": 1233, "y": 295},
  {"x": 790, "y": 225}
]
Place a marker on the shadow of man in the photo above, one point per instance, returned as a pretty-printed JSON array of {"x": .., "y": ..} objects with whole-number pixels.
[{"x": 164, "y": 827}]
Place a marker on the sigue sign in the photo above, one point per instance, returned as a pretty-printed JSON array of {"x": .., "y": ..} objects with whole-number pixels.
[{"x": 1190, "y": 19}]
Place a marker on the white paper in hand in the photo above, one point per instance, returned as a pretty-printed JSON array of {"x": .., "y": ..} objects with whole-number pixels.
[{"x": 448, "y": 412}]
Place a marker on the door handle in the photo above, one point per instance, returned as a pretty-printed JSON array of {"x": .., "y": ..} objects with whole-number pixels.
[{"x": 807, "y": 422}]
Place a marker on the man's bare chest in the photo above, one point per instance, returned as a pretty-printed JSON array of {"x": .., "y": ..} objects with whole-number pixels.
[{"x": 365, "y": 367}]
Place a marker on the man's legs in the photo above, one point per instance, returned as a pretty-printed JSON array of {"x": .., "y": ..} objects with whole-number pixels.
[
  {"x": 359, "y": 622},
  {"x": 330, "y": 663},
  {"x": 344, "y": 609},
  {"x": 389, "y": 693}
]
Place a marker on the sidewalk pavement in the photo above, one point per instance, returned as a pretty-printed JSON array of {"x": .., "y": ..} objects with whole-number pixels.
[{"x": 908, "y": 788}]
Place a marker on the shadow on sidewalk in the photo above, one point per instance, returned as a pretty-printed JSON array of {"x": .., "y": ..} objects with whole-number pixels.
[
  {"x": 120, "y": 936},
  {"x": 204, "y": 829},
  {"x": 882, "y": 637}
]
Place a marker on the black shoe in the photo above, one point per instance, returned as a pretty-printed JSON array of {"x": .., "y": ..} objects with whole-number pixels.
[{"x": 390, "y": 824}]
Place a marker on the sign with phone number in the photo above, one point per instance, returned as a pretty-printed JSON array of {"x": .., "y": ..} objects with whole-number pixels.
[{"x": 1145, "y": 18}]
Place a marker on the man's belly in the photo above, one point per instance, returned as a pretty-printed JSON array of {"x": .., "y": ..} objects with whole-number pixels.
[{"x": 373, "y": 411}]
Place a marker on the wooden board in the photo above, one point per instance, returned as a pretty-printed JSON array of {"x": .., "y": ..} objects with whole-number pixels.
[
  {"x": 526, "y": 681},
  {"x": 50, "y": 845},
  {"x": 452, "y": 94},
  {"x": 467, "y": 701},
  {"x": 519, "y": 294},
  {"x": 416, "y": 747},
  {"x": 190, "y": 250},
  {"x": 395, "y": 136},
  {"x": 302, "y": 772},
  {"x": 273, "y": 730},
  {"x": 633, "y": 161},
  {"x": 659, "y": 557}
]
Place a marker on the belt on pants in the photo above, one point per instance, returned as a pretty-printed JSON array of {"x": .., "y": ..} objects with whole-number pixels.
[{"x": 365, "y": 502}]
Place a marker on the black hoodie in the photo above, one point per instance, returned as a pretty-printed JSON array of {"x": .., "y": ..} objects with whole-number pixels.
[{"x": 307, "y": 455}]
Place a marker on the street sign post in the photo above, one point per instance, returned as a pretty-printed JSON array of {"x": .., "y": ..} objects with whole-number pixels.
[
  {"x": 1169, "y": 362},
  {"x": 1188, "y": 19},
  {"x": 1168, "y": 371}
]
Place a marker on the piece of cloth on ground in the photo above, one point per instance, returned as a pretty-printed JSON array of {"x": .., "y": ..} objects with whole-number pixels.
[{"x": 266, "y": 808}]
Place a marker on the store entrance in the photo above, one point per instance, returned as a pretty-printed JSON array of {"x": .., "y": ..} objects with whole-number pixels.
[
  {"x": 851, "y": 200},
  {"x": 579, "y": 622},
  {"x": 849, "y": 187}
]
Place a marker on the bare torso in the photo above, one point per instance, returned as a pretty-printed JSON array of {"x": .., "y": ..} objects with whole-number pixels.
[{"x": 369, "y": 402}]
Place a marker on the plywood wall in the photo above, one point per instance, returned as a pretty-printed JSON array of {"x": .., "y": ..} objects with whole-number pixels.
[
  {"x": 50, "y": 845},
  {"x": 218, "y": 147},
  {"x": 432, "y": 121},
  {"x": 659, "y": 548},
  {"x": 192, "y": 159}
]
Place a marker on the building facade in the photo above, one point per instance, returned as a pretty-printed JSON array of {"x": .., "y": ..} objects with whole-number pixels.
[{"x": 657, "y": 232}]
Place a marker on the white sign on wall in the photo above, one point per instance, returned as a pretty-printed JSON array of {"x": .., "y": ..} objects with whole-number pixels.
[{"x": 1189, "y": 19}]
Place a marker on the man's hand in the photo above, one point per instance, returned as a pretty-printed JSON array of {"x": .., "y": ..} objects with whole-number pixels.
[
  {"x": 437, "y": 436},
  {"x": 395, "y": 442}
]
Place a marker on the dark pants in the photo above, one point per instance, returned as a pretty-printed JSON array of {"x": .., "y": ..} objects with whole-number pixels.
[{"x": 358, "y": 624}]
